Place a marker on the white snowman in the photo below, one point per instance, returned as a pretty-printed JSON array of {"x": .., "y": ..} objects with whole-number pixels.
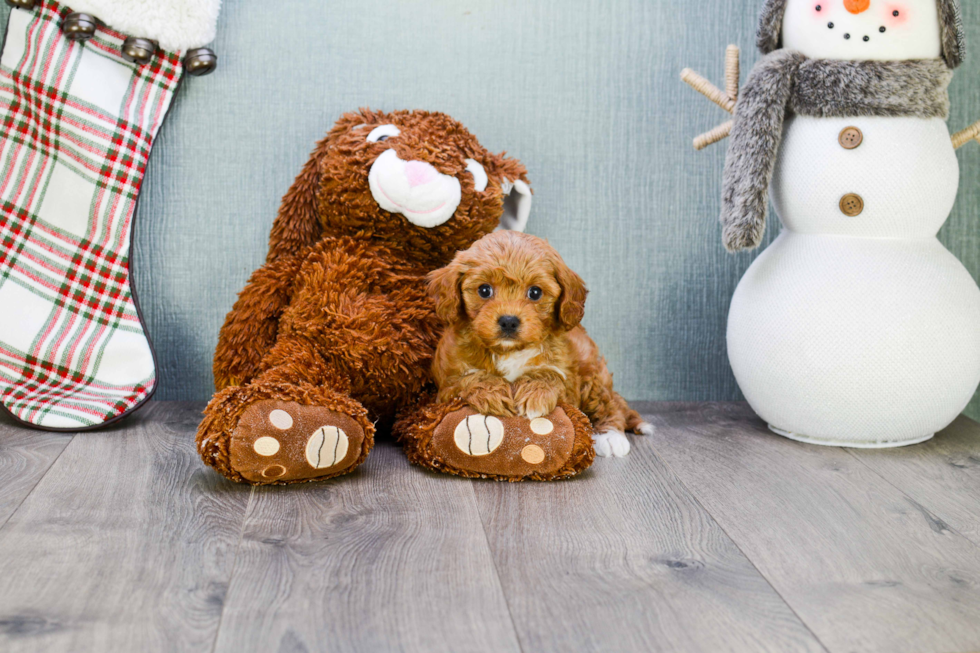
[{"x": 855, "y": 327}]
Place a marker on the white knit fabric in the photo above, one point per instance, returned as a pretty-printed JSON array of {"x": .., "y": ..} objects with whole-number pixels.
[
  {"x": 913, "y": 34},
  {"x": 861, "y": 341},
  {"x": 905, "y": 170},
  {"x": 174, "y": 24},
  {"x": 859, "y": 330}
]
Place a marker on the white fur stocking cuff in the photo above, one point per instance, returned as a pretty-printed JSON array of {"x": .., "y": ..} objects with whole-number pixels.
[{"x": 174, "y": 24}]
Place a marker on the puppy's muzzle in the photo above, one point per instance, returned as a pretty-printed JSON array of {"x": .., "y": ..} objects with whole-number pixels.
[{"x": 509, "y": 325}]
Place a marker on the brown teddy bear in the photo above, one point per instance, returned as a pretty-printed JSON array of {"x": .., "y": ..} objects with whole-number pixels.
[{"x": 336, "y": 333}]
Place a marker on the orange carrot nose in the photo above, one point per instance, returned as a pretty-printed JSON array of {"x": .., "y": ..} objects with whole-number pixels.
[{"x": 857, "y": 6}]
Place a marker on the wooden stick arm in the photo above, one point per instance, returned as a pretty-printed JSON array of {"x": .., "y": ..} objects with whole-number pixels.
[
  {"x": 708, "y": 90},
  {"x": 719, "y": 133},
  {"x": 732, "y": 72},
  {"x": 971, "y": 133},
  {"x": 725, "y": 99}
]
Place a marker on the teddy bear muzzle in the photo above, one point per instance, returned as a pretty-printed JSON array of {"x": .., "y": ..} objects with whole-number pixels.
[{"x": 423, "y": 195}]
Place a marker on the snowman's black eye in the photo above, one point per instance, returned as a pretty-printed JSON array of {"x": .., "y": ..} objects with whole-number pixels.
[
  {"x": 485, "y": 291},
  {"x": 882, "y": 29},
  {"x": 819, "y": 8},
  {"x": 847, "y": 36},
  {"x": 867, "y": 38},
  {"x": 830, "y": 25},
  {"x": 895, "y": 13},
  {"x": 534, "y": 293}
]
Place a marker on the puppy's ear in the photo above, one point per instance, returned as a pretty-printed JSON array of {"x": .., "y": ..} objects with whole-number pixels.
[
  {"x": 571, "y": 304},
  {"x": 446, "y": 291}
]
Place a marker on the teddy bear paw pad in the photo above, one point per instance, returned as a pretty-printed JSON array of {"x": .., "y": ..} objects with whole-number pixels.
[
  {"x": 279, "y": 441},
  {"x": 479, "y": 435},
  {"x": 504, "y": 447}
]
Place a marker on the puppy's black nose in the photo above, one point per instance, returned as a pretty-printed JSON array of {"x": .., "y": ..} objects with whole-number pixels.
[{"x": 509, "y": 324}]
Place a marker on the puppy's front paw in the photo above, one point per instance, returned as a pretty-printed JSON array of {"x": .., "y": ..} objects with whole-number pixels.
[
  {"x": 536, "y": 399},
  {"x": 611, "y": 444},
  {"x": 491, "y": 403}
]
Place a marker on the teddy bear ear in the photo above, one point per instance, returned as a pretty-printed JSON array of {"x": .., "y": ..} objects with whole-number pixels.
[
  {"x": 517, "y": 204},
  {"x": 512, "y": 177}
]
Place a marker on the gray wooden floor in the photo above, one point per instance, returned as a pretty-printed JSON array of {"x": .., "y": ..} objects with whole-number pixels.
[{"x": 714, "y": 535}]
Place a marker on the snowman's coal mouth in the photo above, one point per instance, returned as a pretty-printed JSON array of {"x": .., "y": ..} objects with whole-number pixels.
[{"x": 866, "y": 38}]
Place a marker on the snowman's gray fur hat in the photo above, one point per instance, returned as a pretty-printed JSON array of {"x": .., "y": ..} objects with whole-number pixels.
[{"x": 950, "y": 21}]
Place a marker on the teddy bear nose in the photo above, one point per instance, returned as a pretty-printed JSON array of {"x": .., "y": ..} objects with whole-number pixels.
[
  {"x": 857, "y": 6},
  {"x": 509, "y": 324},
  {"x": 419, "y": 173}
]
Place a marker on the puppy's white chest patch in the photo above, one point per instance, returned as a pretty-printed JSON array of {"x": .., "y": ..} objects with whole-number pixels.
[{"x": 513, "y": 366}]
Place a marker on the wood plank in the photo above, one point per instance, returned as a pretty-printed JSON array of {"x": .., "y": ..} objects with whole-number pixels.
[
  {"x": 389, "y": 557},
  {"x": 25, "y": 457},
  {"x": 127, "y": 543},
  {"x": 942, "y": 474},
  {"x": 623, "y": 558},
  {"x": 865, "y": 566}
]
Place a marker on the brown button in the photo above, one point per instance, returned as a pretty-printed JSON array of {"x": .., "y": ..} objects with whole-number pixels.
[
  {"x": 850, "y": 138},
  {"x": 851, "y": 205}
]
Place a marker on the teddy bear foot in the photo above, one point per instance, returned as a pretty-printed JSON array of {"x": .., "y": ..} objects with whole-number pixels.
[
  {"x": 285, "y": 442},
  {"x": 456, "y": 439}
]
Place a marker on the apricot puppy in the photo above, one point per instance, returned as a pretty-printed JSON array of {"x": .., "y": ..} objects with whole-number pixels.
[{"x": 513, "y": 343}]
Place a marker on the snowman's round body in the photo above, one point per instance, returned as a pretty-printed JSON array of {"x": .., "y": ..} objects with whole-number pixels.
[
  {"x": 859, "y": 329},
  {"x": 856, "y": 326}
]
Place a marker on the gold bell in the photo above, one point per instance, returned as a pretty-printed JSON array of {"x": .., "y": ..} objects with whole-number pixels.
[
  {"x": 79, "y": 26},
  {"x": 138, "y": 51},
  {"x": 200, "y": 61}
]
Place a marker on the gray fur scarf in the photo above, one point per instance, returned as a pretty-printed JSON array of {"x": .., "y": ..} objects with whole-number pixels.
[{"x": 786, "y": 81}]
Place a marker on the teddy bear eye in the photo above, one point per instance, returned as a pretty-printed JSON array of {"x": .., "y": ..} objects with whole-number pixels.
[
  {"x": 485, "y": 291},
  {"x": 534, "y": 293},
  {"x": 479, "y": 174},
  {"x": 382, "y": 133}
]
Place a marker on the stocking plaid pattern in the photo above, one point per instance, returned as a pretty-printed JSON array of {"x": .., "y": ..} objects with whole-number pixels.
[{"x": 78, "y": 125}]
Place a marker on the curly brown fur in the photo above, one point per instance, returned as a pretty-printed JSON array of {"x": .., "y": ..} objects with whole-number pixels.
[
  {"x": 787, "y": 81},
  {"x": 341, "y": 301},
  {"x": 549, "y": 359},
  {"x": 416, "y": 428},
  {"x": 330, "y": 197}
]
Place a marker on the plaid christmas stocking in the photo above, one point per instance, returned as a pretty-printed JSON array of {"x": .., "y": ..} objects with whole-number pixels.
[{"x": 78, "y": 124}]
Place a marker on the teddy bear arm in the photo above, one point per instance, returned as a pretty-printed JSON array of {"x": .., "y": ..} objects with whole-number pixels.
[{"x": 252, "y": 326}]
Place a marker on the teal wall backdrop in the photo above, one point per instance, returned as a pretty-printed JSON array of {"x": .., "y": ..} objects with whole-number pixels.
[{"x": 585, "y": 92}]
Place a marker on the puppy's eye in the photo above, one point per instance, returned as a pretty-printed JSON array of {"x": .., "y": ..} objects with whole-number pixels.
[
  {"x": 382, "y": 133},
  {"x": 485, "y": 291},
  {"x": 534, "y": 293}
]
